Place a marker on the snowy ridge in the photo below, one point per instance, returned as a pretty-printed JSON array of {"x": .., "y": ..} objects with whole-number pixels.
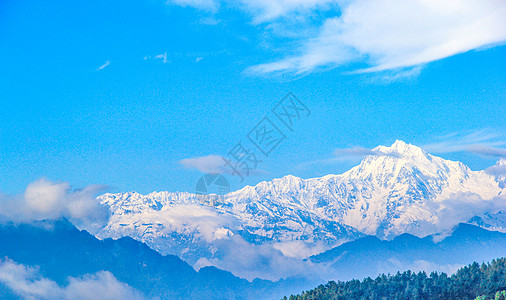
[
  {"x": 401, "y": 189},
  {"x": 388, "y": 194}
]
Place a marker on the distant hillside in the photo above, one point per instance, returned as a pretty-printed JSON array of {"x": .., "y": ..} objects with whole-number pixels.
[
  {"x": 60, "y": 250},
  {"x": 484, "y": 281},
  {"x": 371, "y": 256}
]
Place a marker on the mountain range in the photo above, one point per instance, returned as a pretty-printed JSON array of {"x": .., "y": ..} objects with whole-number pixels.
[
  {"x": 370, "y": 256},
  {"x": 53, "y": 259},
  {"x": 273, "y": 225}
]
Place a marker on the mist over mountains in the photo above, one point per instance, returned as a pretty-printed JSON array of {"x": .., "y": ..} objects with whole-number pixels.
[
  {"x": 53, "y": 259},
  {"x": 399, "y": 209},
  {"x": 267, "y": 230}
]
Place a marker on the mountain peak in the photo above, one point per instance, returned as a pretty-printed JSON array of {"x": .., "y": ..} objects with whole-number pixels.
[
  {"x": 401, "y": 149},
  {"x": 400, "y": 144}
]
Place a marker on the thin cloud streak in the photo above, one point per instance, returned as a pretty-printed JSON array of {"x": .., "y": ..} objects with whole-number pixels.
[
  {"x": 482, "y": 142},
  {"x": 208, "y": 5},
  {"x": 214, "y": 164},
  {"x": 485, "y": 142},
  {"x": 206, "y": 164},
  {"x": 351, "y": 154},
  {"x": 163, "y": 57},
  {"x": 107, "y": 63},
  {"x": 356, "y": 151}
]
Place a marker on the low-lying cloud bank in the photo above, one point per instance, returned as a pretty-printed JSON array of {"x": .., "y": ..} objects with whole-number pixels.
[
  {"x": 47, "y": 200},
  {"x": 27, "y": 283}
]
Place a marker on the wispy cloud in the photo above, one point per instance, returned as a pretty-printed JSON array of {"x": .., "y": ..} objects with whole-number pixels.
[
  {"x": 380, "y": 34},
  {"x": 350, "y": 154},
  {"x": 216, "y": 164},
  {"x": 262, "y": 10},
  {"x": 44, "y": 199},
  {"x": 387, "y": 77},
  {"x": 390, "y": 35},
  {"x": 268, "y": 11},
  {"x": 266, "y": 261},
  {"x": 210, "y": 21},
  {"x": 487, "y": 151},
  {"x": 206, "y": 164},
  {"x": 29, "y": 284},
  {"x": 209, "y": 5},
  {"x": 484, "y": 142},
  {"x": 162, "y": 56},
  {"x": 107, "y": 63},
  {"x": 357, "y": 151}
]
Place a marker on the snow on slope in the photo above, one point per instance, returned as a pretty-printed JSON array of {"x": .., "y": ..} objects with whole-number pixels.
[{"x": 402, "y": 189}]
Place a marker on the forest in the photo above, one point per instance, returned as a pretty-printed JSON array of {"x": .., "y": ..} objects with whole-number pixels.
[{"x": 474, "y": 282}]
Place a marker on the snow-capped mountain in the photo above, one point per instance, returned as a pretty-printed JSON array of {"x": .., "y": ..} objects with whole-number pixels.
[
  {"x": 399, "y": 189},
  {"x": 185, "y": 224}
]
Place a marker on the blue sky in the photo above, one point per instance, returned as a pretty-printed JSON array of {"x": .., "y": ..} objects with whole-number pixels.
[{"x": 120, "y": 92}]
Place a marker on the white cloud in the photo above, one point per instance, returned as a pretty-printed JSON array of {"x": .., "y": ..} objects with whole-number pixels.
[
  {"x": 102, "y": 285},
  {"x": 207, "y": 164},
  {"x": 487, "y": 150},
  {"x": 498, "y": 169},
  {"x": 387, "y": 77},
  {"x": 383, "y": 34},
  {"x": 350, "y": 154},
  {"x": 107, "y": 63},
  {"x": 163, "y": 57},
  {"x": 261, "y": 10},
  {"x": 251, "y": 261},
  {"x": 269, "y": 10},
  {"x": 463, "y": 206},
  {"x": 392, "y": 34},
  {"x": 301, "y": 249},
  {"x": 44, "y": 199},
  {"x": 483, "y": 142},
  {"x": 210, "y": 5},
  {"x": 443, "y": 215},
  {"x": 218, "y": 242},
  {"x": 29, "y": 284},
  {"x": 360, "y": 152},
  {"x": 207, "y": 222}
]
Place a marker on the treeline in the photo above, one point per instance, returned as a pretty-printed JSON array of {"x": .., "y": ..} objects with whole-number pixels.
[{"x": 486, "y": 281}]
